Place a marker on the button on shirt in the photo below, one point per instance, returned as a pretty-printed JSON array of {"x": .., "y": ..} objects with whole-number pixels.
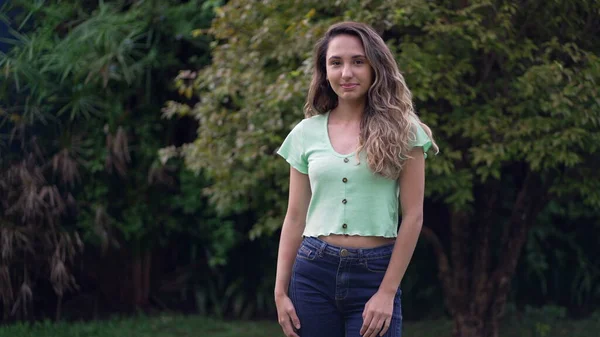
[{"x": 347, "y": 197}]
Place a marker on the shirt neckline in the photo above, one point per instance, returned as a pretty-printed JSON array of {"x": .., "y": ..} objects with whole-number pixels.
[{"x": 328, "y": 140}]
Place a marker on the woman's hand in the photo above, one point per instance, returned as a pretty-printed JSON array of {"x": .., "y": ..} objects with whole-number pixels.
[
  {"x": 286, "y": 315},
  {"x": 377, "y": 315}
]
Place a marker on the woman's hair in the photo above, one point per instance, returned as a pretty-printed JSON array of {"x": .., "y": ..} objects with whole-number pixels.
[{"x": 387, "y": 128}]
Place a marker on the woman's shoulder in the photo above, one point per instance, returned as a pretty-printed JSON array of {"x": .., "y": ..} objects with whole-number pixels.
[
  {"x": 419, "y": 136},
  {"x": 313, "y": 126},
  {"x": 309, "y": 123},
  {"x": 307, "y": 127},
  {"x": 315, "y": 119}
]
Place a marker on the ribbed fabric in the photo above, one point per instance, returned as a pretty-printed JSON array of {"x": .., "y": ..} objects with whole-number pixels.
[{"x": 347, "y": 197}]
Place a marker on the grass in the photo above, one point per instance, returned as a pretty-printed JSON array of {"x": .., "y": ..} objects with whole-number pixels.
[
  {"x": 196, "y": 326},
  {"x": 159, "y": 326}
]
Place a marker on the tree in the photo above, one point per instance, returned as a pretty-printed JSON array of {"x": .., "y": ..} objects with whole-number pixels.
[
  {"x": 509, "y": 89},
  {"x": 80, "y": 127}
]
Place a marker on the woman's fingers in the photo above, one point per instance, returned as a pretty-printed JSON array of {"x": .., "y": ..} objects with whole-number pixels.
[
  {"x": 375, "y": 324},
  {"x": 294, "y": 317},
  {"x": 288, "y": 328},
  {"x": 288, "y": 319},
  {"x": 372, "y": 324},
  {"x": 375, "y": 327},
  {"x": 367, "y": 318},
  {"x": 386, "y": 326}
]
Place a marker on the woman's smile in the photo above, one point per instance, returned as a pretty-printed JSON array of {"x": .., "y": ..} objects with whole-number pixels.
[{"x": 349, "y": 86}]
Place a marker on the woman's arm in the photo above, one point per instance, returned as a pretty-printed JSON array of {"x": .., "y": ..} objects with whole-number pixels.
[
  {"x": 412, "y": 192},
  {"x": 378, "y": 311},
  {"x": 291, "y": 237},
  {"x": 293, "y": 226}
]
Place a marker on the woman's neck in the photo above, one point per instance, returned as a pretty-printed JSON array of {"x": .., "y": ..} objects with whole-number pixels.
[{"x": 348, "y": 112}]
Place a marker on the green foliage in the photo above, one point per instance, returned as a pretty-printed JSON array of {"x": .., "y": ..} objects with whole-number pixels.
[
  {"x": 509, "y": 90},
  {"x": 85, "y": 81},
  {"x": 548, "y": 320},
  {"x": 501, "y": 95},
  {"x": 144, "y": 326},
  {"x": 118, "y": 57},
  {"x": 243, "y": 109},
  {"x": 559, "y": 265},
  {"x": 542, "y": 319},
  {"x": 172, "y": 325}
]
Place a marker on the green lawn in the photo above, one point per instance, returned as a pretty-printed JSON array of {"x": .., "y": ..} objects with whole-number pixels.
[{"x": 182, "y": 326}]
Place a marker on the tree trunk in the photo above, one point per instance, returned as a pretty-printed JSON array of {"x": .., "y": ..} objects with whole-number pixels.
[
  {"x": 473, "y": 325},
  {"x": 136, "y": 278},
  {"x": 475, "y": 289},
  {"x": 57, "y": 315},
  {"x": 475, "y": 307},
  {"x": 141, "y": 279}
]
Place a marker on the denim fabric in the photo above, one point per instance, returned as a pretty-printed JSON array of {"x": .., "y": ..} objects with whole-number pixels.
[{"x": 330, "y": 286}]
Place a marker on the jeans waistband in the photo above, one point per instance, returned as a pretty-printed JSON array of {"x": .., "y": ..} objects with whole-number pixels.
[{"x": 323, "y": 247}]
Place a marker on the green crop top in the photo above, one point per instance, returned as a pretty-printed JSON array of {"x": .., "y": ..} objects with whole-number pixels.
[{"x": 346, "y": 198}]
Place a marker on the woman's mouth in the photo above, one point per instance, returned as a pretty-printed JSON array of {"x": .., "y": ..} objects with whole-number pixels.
[{"x": 349, "y": 85}]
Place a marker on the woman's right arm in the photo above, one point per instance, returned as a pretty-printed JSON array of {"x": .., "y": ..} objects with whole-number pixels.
[{"x": 290, "y": 240}]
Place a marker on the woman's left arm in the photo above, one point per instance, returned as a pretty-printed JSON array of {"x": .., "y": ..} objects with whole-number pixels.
[
  {"x": 412, "y": 192},
  {"x": 378, "y": 311}
]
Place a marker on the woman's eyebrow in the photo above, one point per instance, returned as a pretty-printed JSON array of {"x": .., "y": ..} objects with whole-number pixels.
[{"x": 354, "y": 56}]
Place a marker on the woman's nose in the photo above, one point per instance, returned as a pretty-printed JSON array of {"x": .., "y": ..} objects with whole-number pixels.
[{"x": 347, "y": 72}]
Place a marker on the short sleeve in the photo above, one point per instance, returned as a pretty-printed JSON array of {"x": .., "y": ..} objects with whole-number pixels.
[
  {"x": 419, "y": 138},
  {"x": 292, "y": 149}
]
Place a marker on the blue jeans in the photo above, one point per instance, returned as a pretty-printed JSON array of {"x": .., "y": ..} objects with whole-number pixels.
[{"x": 330, "y": 286}]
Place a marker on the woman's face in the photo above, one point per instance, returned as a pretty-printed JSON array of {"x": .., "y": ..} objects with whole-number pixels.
[{"x": 348, "y": 71}]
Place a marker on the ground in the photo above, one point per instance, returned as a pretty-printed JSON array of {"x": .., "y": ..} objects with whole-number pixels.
[{"x": 193, "y": 326}]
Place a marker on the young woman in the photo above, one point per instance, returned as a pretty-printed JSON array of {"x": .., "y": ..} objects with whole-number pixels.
[{"x": 359, "y": 153}]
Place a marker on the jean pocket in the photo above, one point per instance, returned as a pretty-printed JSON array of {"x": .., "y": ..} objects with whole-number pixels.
[
  {"x": 378, "y": 265},
  {"x": 306, "y": 253}
]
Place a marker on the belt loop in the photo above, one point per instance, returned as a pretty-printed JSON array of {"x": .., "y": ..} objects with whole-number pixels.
[{"x": 322, "y": 248}]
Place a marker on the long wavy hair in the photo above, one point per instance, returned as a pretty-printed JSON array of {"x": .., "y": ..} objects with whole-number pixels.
[{"x": 387, "y": 127}]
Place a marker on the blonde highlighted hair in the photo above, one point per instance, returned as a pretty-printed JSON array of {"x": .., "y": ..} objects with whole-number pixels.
[{"x": 387, "y": 127}]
